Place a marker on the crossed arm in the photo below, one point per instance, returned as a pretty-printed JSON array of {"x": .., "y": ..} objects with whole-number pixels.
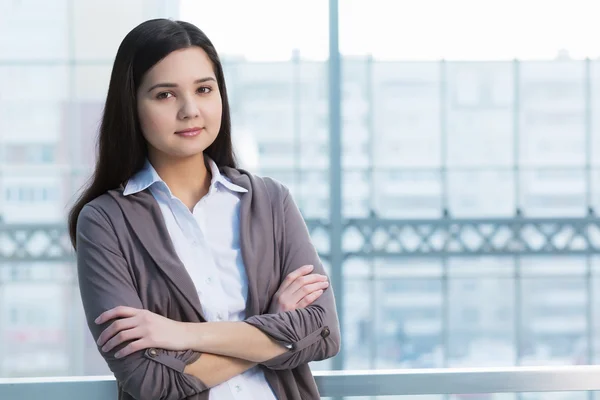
[
  {"x": 150, "y": 365},
  {"x": 229, "y": 348}
]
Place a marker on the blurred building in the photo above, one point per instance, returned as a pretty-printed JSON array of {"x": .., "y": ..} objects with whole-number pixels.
[{"x": 475, "y": 139}]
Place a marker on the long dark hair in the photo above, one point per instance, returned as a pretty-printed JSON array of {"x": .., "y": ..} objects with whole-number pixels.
[{"x": 121, "y": 147}]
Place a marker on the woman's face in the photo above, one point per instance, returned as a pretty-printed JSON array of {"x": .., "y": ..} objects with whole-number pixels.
[{"x": 179, "y": 105}]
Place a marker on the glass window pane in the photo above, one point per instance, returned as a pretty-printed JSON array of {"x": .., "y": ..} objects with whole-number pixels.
[
  {"x": 481, "y": 327},
  {"x": 409, "y": 309},
  {"x": 406, "y": 114},
  {"x": 260, "y": 36},
  {"x": 481, "y": 193},
  {"x": 480, "y": 108},
  {"x": 40, "y": 27},
  {"x": 594, "y": 90},
  {"x": 407, "y": 193},
  {"x": 554, "y": 321},
  {"x": 88, "y": 18},
  {"x": 552, "y": 99},
  {"x": 553, "y": 192}
]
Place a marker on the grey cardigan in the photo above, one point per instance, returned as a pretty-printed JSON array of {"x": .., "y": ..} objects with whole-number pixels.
[{"x": 125, "y": 257}]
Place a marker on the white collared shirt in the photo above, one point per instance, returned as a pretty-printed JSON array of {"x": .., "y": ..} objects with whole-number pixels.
[{"x": 207, "y": 242}]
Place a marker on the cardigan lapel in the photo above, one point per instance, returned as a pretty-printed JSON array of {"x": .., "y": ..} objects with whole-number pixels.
[
  {"x": 143, "y": 214},
  {"x": 248, "y": 239}
]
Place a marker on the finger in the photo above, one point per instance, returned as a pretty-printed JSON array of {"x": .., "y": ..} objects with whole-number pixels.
[
  {"x": 303, "y": 270},
  {"x": 117, "y": 312},
  {"x": 309, "y": 299},
  {"x": 122, "y": 337},
  {"x": 132, "y": 348},
  {"x": 306, "y": 290},
  {"x": 289, "y": 295},
  {"x": 114, "y": 328},
  {"x": 302, "y": 281}
]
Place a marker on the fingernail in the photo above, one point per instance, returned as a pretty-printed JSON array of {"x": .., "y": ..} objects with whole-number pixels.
[
  {"x": 97, "y": 320},
  {"x": 311, "y": 267},
  {"x": 104, "y": 349},
  {"x": 117, "y": 355}
]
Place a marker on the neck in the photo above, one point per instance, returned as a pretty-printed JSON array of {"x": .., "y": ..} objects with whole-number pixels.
[{"x": 187, "y": 178}]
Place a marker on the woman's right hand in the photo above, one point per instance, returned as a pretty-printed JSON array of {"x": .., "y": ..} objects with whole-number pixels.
[{"x": 299, "y": 289}]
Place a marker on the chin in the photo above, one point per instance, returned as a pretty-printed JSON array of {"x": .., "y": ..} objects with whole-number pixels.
[
  {"x": 188, "y": 154},
  {"x": 181, "y": 151}
]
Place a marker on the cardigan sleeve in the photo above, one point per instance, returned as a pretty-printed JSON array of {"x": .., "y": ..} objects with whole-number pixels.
[
  {"x": 105, "y": 282},
  {"x": 311, "y": 333}
]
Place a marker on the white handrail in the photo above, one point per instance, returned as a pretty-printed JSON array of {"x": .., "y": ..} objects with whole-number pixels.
[{"x": 353, "y": 383}]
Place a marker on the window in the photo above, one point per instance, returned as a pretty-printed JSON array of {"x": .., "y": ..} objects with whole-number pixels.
[
  {"x": 11, "y": 194},
  {"x": 413, "y": 286},
  {"x": 503, "y": 314},
  {"x": 30, "y": 194},
  {"x": 271, "y": 92},
  {"x": 29, "y": 154},
  {"x": 471, "y": 315}
]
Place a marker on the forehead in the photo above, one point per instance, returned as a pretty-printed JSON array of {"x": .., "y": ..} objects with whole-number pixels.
[{"x": 181, "y": 66}]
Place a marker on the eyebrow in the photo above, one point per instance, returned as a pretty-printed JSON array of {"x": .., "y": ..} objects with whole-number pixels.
[{"x": 173, "y": 85}]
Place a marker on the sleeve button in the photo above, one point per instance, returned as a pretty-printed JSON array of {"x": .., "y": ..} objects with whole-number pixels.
[
  {"x": 153, "y": 352},
  {"x": 325, "y": 333}
]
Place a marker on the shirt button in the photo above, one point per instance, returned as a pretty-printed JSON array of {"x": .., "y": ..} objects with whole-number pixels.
[
  {"x": 238, "y": 388},
  {"x": 209, "y": 280},
  {"x": 220, "y": 317}
]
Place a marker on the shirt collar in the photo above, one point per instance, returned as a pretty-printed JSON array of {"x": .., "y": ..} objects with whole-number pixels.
[
  {"x": 147, "y": 176},
  {"x": 217, "y": 177},
  {"x": 143, "y": 179}
]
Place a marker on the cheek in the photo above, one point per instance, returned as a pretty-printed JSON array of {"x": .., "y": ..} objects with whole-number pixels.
[
  {"x": 154, "y": 121},
  {"x": 215, "y": 111}
]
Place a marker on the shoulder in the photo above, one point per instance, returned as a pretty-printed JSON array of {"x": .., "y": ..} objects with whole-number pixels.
[
  {"x": 104, "y": 207},
  {"x": 260, "y": 187},
  {"x": 273, "y": 187}
]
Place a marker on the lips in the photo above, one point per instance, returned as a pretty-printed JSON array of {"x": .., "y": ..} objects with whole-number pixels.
[{"x": 189, "y": 132}]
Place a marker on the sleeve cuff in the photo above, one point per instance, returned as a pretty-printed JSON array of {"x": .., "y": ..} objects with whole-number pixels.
[
  {"x": 299, "y": 345},
  {"x": 176, "y": 360}
]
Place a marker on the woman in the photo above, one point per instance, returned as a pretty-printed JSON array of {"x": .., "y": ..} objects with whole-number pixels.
[{"x": 198, "y": 279}]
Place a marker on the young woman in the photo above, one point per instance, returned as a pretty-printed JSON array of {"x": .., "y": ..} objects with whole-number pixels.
[{"x": 198, "y": 279}]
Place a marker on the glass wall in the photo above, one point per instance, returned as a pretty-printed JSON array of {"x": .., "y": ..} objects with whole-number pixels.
[{"x": 426, "y": 143}]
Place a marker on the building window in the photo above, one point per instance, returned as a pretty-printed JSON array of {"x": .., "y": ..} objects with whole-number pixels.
[
  {"x": 29, "y": 154},
  {"x": 30, "y": 194}
]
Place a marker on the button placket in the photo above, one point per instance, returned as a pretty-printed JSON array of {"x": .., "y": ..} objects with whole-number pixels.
[
  {"x": 200, "y": 244},
  {"x": 199, "y": 216}
]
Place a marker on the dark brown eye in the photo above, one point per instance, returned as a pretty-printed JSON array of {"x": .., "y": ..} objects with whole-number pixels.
[{"x": 163, "y": 95}]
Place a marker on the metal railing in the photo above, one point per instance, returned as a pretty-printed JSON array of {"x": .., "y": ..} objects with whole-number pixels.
[
  {"x": 443, "y": 237},
  {"x": 353, "y": 383}
]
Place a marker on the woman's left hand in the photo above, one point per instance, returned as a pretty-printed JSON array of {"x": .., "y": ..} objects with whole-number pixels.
[{"x": 143, "y": 328}]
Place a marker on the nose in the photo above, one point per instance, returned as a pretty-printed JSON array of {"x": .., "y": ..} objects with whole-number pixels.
[{"x": 189, "y": 109}]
